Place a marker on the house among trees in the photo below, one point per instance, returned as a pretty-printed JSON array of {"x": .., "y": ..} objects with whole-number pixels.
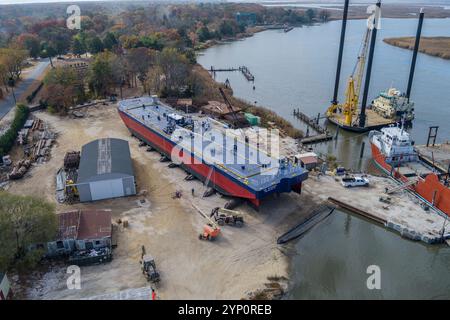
[{"x": 81, "y": 230}]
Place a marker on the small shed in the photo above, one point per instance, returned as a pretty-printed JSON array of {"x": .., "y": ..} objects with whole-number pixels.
[
  {"x": 81, "y": 230},
  {"x": 5, "y": 287},
  {"x": 308, "y": 160},
  {"x": 105, "y": 171}
]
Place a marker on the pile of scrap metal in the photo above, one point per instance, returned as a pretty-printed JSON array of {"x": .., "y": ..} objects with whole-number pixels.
[
  {"x": 66, "y": 177},
  {"x": 5, "y": 166},
  {"x": 19, "y": 169},
  {"x": 90, "y": 257},
  {"x": 72, "y": 160}
]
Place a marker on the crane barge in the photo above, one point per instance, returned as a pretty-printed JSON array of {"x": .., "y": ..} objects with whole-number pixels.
[{"x": 388, "y": 108}]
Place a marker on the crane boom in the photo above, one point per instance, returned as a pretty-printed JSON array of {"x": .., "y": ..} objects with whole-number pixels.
[
  {"x": 350, "y": 106},
  {"x": 360, "y": 67},
  {"x": 230, "y": 107}
]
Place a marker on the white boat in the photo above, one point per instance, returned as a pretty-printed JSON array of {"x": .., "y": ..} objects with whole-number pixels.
[{"x": 393, "y": 104}]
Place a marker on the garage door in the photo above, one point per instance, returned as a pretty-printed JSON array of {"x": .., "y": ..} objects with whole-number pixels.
[{"x": 106, "y": 189}]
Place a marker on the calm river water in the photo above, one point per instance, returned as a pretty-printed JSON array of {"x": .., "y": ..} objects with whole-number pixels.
[{"x": 297, "y": 69}]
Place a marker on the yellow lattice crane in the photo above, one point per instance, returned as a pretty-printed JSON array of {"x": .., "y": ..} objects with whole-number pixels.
[{"x": 350, "y": 107}]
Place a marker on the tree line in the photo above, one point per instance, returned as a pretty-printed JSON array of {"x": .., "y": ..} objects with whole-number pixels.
[{"x": 151, "y": 45}]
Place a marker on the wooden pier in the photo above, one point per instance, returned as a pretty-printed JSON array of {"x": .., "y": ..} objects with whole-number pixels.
[
  {"x": 322, "y": 133},
  {"x": 212, "y": 69},
  {"x": 245, "y": 71},
  {"x": 247, "y": 74}
]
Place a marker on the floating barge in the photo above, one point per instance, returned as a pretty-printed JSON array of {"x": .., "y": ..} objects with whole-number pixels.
[
  {"x": 373, "y": 122},
  {"x": 202, "y": 146}
]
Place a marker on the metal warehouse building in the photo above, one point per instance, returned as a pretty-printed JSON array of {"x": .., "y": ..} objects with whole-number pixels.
[{"x": 105, "y": 170}]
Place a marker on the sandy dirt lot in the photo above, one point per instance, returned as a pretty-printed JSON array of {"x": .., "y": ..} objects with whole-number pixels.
[{"x": 237, "y": 263}]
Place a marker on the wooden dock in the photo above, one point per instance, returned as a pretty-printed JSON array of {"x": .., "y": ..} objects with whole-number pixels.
[
  {"x": 247, "y": 74},
  {"x": 316, "y": 138},
  {"x": 212, "y": 69},
  {"x": 245, "y": 71},
  {"x": 322, "y": 133}
]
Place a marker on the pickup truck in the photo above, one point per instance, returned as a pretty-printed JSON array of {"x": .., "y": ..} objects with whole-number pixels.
[{"x": 354, "y": 181}]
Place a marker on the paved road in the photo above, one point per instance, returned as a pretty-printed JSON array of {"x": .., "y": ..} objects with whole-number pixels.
[{"x": 7, "y": 104}]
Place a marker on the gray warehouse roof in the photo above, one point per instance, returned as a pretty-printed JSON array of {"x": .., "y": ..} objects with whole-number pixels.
[{"x": 105, "y": 158}]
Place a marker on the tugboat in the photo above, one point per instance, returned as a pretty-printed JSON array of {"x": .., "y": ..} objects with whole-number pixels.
[
  {"x": 394, "y": 153},
  {"x": 392, "y": 104}
]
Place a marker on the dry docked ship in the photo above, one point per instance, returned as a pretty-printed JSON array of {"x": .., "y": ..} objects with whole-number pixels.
[
  {"x": 393, "y": 151},
  {"x": 227, "y": 163}
]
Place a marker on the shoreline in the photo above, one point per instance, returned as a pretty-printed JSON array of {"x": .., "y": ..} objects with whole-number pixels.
[{"x": 432, "y": 46}]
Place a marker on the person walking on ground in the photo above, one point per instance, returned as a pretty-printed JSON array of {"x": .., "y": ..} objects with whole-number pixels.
[
  {"x": 193, "y": 191},
  {"x": 153, "y": 294}
]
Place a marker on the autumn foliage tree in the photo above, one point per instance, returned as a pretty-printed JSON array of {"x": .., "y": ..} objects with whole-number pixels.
[
  {"x": 62, "y": 89},
  {"x": 13, "y": 59},
  {"x": 171, "y": 74},
  {"x": 24, "y": 221},
  {"x": 105, "y": 74}
]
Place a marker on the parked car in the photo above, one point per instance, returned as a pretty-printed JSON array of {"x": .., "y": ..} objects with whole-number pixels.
[{"x": 355, "y": 181}]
